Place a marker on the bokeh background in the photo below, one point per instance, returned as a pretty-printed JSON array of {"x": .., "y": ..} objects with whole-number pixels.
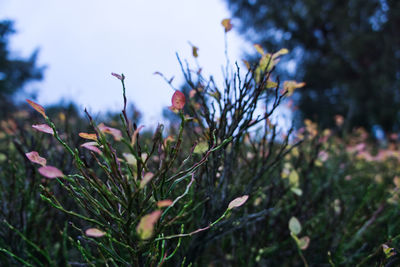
[
  {"x": 347, "y": 52},
  {"x": 81, "y": 42}
]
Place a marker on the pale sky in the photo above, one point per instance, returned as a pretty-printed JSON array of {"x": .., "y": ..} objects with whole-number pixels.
[{"x": 82, "y": 42}]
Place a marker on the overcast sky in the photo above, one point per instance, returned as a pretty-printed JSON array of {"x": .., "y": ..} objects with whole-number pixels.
[{"x": 82, "y": 42}]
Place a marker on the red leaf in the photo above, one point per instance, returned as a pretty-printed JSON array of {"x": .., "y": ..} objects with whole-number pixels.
[
  {"x": 50, "y": 172},
  {"x": 43, "y": 128},
  {"x": 178, "y": 100},
  {"x": 35, "y": 158},
  {"x": 37, "y": 107}
]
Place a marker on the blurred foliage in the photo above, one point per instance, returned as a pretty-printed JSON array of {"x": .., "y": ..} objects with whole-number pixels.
[
  {"x": 15, "y": 73},
  {"x": 346, "y": 51}
]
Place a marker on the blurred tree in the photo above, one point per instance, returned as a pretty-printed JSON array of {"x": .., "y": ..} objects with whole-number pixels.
[
  {"x": 347, "y": 51},
  {"x": 14, "y": 72}
]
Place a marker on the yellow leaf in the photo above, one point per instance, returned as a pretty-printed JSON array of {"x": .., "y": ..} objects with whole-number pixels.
[
  {"x": 281, "y": 52},
  {"x": 201, "y": 148},
  {"x": 195, "y": 51},
  {"x": 247, "y": 64},
  {"x": 227, "y": 24},
  {"x": 271, "y": 84},
  {"x": 259, "y": 49},
  {"x": 290, "y": 86},
  {"x": 88, "y": 136},
  {"x": 130, "y": 159},
  {"x": 294, "y": 179}
]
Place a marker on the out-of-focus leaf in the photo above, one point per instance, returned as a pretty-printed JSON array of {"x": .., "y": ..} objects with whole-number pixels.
[
  {"x": 130, "y": 159},
  {"x": 146, "y": 179},
  {"x": 135, "y": 134},
  {"x": 195, "y": 51},
  {"x": 118, "y": 76},
  {"x": 89, "y": 136},
  {"x": 294, "y": 178},
  {"x": 37, "y": 107},
  {"x": 164, "y": 203},
  {"x": 35, "y": 158},
  {"x": 226, "y": 23},
  {"x": 281, "y": 52},
  {"x": 145, "y": 227},
  {"x": 290, "y": 86},
  {"x": 237, "y": 202},
  {"x": 91, "y": 146},
  {"x": 112, "y": 131},
  {"x": 94, "y": 232},
  {"x": 303, "y": 242},
  {"x": 43, "y": 128},
  {"x": 178, "y": 100},
  {"x": 297, "y": 191},
  {"x": 50, "y": 172},
  {"x": 294, "y": 226},
  {"x": 201, "y": 148},
  {"x": 259, "y": 49}
]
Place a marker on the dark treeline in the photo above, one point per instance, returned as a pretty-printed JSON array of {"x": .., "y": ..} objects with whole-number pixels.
[{"x": 347, "y": 52}]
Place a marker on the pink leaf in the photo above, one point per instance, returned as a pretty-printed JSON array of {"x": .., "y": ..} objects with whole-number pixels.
[
  {"x": 35, "y": 158},
  {"x": 178, "y": 100},
  {"x": 146, "y": 178},
  {"x": 237, "y": 202},
  {"x": 109, "y": 130},
  {"x": 37, "y": 107},
  {"x": 119, "y": 77},
  {"x": 94, "y": 232},
  {"x": 43, "y": 128},
  {"x": 135, "y": 133},
  {"x": 50, "y": 172},
  {"x": 91, "y": 146},
  {"x": 164, "y": 203}
]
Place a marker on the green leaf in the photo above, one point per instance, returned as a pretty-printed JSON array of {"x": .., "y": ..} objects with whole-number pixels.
[
  {"x": 294, "y": 226},
  {"x": 294, "y": 179},
  {"x": 296, "y": 191},
  {"x": 201, "y": 148}
]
